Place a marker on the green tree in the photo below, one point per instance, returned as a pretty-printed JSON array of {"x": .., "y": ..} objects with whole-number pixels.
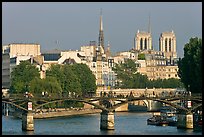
[
  {"x": 36, "y": 86},
  {"x": 51, "y": 85},
  {"x": 72, "y": 82},
  {"x": 57, "y": 71},
  {"x": 22, "y": 75},
  {"x": 141, "y": 56},
  {"x": 190, "y": 65},
  {"x": 66, "y": 77},
  {"x": 127, "y": 73},
  {"x": 86, "y": 77}
]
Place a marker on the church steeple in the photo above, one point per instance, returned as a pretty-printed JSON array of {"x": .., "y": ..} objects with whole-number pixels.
[
  {"x": 101, "y": 36},
  {"x": 149, "y": 25},
  {"x": 101, "y": 22}
]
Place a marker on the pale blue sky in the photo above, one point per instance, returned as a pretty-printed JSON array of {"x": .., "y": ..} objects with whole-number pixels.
[{"x": 74, "y": 24}]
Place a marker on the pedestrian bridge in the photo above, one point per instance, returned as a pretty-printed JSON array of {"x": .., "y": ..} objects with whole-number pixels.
[{"x": 106, "y": 104}]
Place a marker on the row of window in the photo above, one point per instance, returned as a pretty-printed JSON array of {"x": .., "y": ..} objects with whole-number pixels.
[{"x": 168, "y": 75}]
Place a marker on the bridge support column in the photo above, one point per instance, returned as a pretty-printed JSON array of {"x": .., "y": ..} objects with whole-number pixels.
[
  {"x": 185, "y": 120},
  {"x": 107, "y": 120},
  {"x": 27, "y": 119}
]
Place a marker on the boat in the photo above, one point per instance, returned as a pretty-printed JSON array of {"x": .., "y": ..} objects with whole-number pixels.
[
  {"x": 169, "y": 115},
  {"x": 157, "y": 120},
  {"x": 197, "y": 123},
  {"x": 171, "y": 118},
  {"x": 154, "y": 120},
  {"x": 166, "y": 117}
]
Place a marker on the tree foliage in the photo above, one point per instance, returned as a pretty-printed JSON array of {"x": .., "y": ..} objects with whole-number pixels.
[
  {"x": 22, "y": 75},
  {"x": 86, "y": 77},
  {"x": 190, "y": 66},
  {"x": 141, "y": 56},
  {"x": 76, "y": 79}
]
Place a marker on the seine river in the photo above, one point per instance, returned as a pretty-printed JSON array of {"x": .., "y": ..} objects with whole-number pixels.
[{"x": 126, "y": 123}]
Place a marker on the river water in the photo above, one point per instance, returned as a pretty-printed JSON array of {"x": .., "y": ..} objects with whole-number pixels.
[{"x": 126, "y": 123}]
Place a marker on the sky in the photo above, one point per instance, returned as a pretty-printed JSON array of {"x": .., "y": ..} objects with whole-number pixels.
[{"x": 70, "y": 25}]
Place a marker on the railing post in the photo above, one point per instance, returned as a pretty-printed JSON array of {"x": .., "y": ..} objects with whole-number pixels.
[{"x": 27, "y": 119}]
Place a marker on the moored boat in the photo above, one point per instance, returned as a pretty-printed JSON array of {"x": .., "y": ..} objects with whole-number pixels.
[{"x": 166, "y": 117}]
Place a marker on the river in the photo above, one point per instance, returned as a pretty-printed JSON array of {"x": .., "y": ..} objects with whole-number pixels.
[{"x": 126, "y": 123}]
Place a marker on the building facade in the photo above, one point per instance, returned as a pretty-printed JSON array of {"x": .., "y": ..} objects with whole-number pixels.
[
  {"x": 5, "y": 70},
  {"x": 12, "y": 54},
  {"x": 15, "y": 49}
]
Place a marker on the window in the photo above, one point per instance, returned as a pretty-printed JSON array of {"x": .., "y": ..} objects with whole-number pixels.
[
  {"x": 166, "y": 44},
  {"x": 145, "y": 43},
  {"x": 169, "y": 44},
  {"x": 141, "y": 44}
]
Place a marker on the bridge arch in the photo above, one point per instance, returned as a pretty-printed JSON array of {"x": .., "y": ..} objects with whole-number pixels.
[
  {"x": 84, "y": 101},
  {"x": 17, "y": 106}
]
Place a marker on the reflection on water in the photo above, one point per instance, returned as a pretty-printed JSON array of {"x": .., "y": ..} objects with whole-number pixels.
[{"x": 126, "y": 123}]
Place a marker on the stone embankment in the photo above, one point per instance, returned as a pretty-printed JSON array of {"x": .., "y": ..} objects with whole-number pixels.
[
  {"x": 63, "y": 113},
  {"x": 43, "y": 114}
]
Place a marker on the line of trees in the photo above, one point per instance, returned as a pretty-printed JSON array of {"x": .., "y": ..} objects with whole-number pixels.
[
  {"x": 190, "y": 66},
  {"x": 61, "y": 80},
  {"x": 128, "y": 77}
]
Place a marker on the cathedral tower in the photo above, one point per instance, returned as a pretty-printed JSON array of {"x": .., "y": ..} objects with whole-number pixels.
[{"x": 167, "y": 44}]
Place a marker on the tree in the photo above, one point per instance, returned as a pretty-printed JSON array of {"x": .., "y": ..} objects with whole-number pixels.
[
  {"x": 127, "y": 73},
  {"x": 72, "y": 82},
  {"x": 57, "y": 71},
  {"x": 22, "y": 75},
  {"x": 51, "y": 86},
  {"x": 190, "y": 65},
  {"x": 86, "y": 77},
  {"x": 66, "y": 77},
  {"x": 141, "y": 56},
  {"x": 36, "y": 86}
]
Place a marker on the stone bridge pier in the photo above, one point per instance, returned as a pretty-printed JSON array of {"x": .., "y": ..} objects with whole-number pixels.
[
  {"x": 107, "y": 120},
  {"x": 185, "y": 120},
  {"x": 27, "y": 119}
]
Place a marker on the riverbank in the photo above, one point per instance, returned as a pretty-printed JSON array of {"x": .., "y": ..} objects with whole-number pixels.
[
  {"x": 64, "y": 113},
  {"x": 58, "y": 113}
]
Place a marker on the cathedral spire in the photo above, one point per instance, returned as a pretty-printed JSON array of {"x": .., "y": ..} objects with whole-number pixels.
[
  {"x": 101, "y": 22},
  {"x": 101, "y": 36},
  {"x": 149, "y": 25}
]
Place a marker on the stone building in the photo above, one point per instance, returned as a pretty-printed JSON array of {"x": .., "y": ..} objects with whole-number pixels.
[
  {"x": 143, "y": 41},
  {"x": 15, "y": 49},
  {"x": 12, "y": 54},
  {"x": 5, "y": 70},
  {"x": 167, "y": 44}
]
